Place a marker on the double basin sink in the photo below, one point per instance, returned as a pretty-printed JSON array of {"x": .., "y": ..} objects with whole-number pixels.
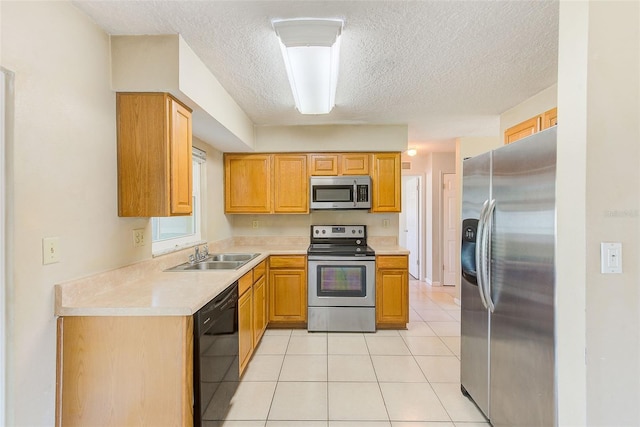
[{"x": 216, "y": 262}]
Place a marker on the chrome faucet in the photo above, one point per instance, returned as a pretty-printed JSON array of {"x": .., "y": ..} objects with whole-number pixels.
[{"x": 197, "y": 256}]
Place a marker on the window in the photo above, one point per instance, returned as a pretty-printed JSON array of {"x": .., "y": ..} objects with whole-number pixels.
[{"x": 169, "y": 234}]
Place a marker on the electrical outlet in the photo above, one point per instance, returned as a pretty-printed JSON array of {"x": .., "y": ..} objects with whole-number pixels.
[
  {"x": 385, "y": 223},
  {"x": 254, "y": 224},
  {"x": 138, "y": 237},
  {"x": 50, "y": 250}
]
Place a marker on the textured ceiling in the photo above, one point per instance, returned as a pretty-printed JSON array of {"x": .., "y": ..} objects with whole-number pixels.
[{"x": 445, "y": 68}]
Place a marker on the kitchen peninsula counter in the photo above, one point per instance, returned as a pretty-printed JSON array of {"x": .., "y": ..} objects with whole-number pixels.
[{"x": 145, "y": 289}]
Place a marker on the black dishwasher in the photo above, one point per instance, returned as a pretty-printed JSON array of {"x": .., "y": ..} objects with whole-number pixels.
[{"x": 215, "y": 352}]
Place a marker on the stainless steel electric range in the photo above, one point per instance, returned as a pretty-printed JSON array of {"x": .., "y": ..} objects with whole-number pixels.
[{"x": 341, "y": 284}]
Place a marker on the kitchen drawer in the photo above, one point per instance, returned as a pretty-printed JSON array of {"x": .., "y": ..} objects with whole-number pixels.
[
  {"x": 259, "y": 270},
  {"x": 289, "y": 261},
  {"x": 392, "y": 261},
  {"x": 245, "y": 283}
]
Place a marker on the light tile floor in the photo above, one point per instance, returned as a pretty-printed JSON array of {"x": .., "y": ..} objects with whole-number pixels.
[{"x": 408, "y": 378}]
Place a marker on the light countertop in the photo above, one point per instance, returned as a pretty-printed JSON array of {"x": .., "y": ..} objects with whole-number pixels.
[{"x": 145, "y": 289}]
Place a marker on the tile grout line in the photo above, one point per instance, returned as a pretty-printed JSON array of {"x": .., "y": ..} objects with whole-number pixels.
[
  {"x": 278, "y": 378},
  {"x": 373, "y": 366}
]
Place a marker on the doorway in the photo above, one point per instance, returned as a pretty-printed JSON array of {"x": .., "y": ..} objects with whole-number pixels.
[{"x": 410, "y": 231}]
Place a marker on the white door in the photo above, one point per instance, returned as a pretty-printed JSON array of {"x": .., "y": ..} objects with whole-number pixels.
[
  {"x": 410, "y": 222},
  {"x": 449, "y": 241}
]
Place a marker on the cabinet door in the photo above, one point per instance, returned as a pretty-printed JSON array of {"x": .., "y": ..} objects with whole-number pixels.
[
  {"x": 287, "y": 295},
  {"x": 247, "y": 185},
  {"x": 392, "y": 301},
  {"x": 521, "y": 130},
  {"x": 550, "y": 118},
  {"x": 323, "y": 164},
  {"x": 386, "y": 182},
  {"x": 245, "y": 329},
  {"x": 181, "y": 163},
  {"x": 291, "y": 184},
  {"x": 259, "y": 309},
  {"x": 154, "y": 155},
  {"x": 106, "y": 364},
  {"x": 354, "y": 164}
]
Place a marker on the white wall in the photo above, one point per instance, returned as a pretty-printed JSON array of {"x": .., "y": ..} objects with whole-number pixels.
[
  {"x": 599, "y": 201},
  {"x": 216, "y": 225},
  {"x": 331, "y": 138},
  {"x": 64, "y": 183},
  {"x": 537, "y": 104}
]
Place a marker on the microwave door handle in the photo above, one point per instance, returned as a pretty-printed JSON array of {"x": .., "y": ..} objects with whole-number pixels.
[{"x": 355, "y": 193}]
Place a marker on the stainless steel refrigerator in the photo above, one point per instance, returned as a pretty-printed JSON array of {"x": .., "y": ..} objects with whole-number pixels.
[{"x": 508, "y": 282}]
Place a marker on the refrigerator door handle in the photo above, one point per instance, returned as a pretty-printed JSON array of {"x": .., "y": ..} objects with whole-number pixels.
[
  {"x": 480, "y": 252},
  {"x": 486, "y": 268}
]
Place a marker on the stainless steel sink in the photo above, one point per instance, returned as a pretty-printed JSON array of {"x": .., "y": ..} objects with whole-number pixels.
[
  {"x": 216, "y": 265},
  {"x": 231, "y": 257},
  {"x": 231, "y": 261}
]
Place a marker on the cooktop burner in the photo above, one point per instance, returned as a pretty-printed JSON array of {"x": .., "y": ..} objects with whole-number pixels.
[
  {"x": 332, "y": 249},
  {"x": 339, "y": 240}
]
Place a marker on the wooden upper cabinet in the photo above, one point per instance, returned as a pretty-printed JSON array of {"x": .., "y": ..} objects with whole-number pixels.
[
  {"x": 550, "y": 118},
  {"x": 529, "y": 127},
  {"x": 181, "y": 160},
  {"x": 247, "y": 184},
  {"x": 386, "y": 182},
  {"x": 291, "y": 183},
  {"x": 354, "y": 163},
  {"x": 323, "y": 164},
  {"x": 333, "y": 164},
  {"x": 521, "y": 130},
  {"x": 154, "y": 155}
]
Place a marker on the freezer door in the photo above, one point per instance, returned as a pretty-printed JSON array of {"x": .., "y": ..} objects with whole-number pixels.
[
  {"x": 523, "y": 283},
  {"x": 474, "y": 342}
]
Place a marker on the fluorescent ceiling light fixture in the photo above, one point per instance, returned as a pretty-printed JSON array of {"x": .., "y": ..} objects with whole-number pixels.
[
  {"x": 311, "y": 51},
  {"x": 412, "y": 152}
]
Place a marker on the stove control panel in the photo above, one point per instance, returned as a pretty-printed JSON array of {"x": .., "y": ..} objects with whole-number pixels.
[{"x": 338, "y": 231}]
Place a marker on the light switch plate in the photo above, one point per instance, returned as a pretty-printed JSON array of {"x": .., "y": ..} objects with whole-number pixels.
[
  {"x": 611, "y": 258},
  {"x": 50, "y": 250}
]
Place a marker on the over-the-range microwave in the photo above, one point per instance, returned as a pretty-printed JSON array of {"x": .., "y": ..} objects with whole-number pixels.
[{"x": 340, "y": 192}]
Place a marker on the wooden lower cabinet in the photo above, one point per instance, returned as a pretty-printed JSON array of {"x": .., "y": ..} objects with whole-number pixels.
[
  {"x": 288, "y": 290},
  {"x": 260, "y": 318},
  {"x": 252, "y": 312},
  {"x": 392, "y": 291},
  {"x": 125, "y": 370},
  {"x": 245, "y": 328}
]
